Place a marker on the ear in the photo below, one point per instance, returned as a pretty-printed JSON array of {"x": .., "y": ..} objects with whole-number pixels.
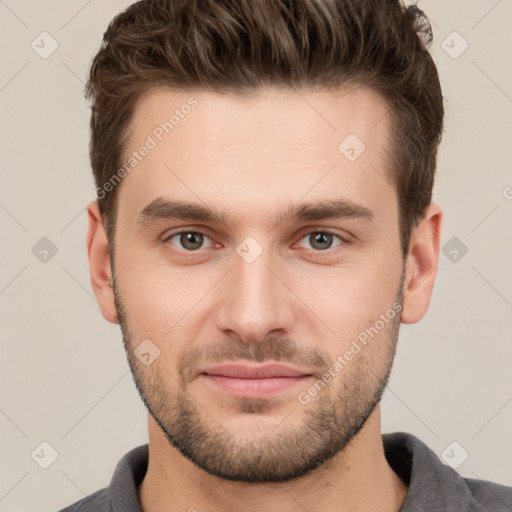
[
  {"x": 99, "y": 263},
  {"x": 421, "y": 265}
]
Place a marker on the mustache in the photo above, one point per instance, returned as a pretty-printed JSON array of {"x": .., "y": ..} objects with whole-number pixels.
[{"x": 284, "y": 350}]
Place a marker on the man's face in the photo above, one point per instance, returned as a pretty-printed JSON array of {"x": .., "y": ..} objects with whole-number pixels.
[{"x": 261, "y": 285}]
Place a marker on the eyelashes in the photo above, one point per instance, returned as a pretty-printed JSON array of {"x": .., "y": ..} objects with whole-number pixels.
[{"x": 185, "y": 243}]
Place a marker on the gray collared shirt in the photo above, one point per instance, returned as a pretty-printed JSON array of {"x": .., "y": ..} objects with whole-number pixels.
[{"x": 433, "y": 486}]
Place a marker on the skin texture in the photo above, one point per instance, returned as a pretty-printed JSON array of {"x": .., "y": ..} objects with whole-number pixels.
[{"x": 298, "y": 302}]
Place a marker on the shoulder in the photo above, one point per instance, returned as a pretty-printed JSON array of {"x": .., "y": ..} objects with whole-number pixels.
[
  {"x": 490, "y": 494},
  {"x": 434, "y": 485},
  {"x": 121, "y": 494},
  {"x": 96, "y": 502}
]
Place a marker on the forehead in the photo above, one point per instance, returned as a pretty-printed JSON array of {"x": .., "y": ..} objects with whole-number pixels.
[
  {"x": 289, "y": 116},
  {"x": 211, "y": 146}
]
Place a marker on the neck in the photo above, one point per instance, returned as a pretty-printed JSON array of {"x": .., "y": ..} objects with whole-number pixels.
[{"x": 357, "y": 479}]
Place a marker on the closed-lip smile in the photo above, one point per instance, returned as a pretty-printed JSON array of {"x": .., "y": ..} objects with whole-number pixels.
[{"x": 253, "y": 381}]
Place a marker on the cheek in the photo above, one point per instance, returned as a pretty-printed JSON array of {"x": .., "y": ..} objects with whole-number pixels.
[
  {"x": 350, "y": 299},
  {"x": 156, "y": 296}
]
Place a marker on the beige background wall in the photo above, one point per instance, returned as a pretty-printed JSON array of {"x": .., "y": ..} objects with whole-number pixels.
[{"x": 63, "y": 374}]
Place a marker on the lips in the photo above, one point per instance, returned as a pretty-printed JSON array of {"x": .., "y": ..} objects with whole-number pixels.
[
  {"x": 267, "y": 371},
  {"x": 253, "y": 381}
]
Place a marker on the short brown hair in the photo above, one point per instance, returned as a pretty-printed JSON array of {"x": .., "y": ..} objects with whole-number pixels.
[{"x": 241, "y": 46}]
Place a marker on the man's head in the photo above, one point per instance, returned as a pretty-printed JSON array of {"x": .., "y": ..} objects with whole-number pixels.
[{"x": 272, "y": 217}]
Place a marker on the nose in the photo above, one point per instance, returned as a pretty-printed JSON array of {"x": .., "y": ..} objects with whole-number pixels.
[{"x": 256, "y": 301}]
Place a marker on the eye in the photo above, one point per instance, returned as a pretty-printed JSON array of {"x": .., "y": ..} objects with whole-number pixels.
[
  {"x": 321, "y": 240},
  {"x": 189, "y": 240},
  {"x": 194, "y": 240}
]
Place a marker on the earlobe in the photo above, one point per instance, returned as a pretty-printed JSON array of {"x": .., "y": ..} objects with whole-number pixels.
[
  {"x": 421, "y": 265},
  {"x": 100, "y": 270}
]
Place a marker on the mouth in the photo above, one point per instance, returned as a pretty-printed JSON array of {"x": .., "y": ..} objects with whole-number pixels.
[{"x": 253, "y": 381}]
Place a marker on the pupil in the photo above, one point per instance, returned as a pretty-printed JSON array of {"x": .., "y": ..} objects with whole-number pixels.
[
  {"x": 322, "y": 240},
  {"x": 191, "y": 240}
]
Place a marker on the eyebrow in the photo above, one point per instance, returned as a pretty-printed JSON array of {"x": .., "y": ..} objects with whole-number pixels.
[{"x": 166, "y": 209}]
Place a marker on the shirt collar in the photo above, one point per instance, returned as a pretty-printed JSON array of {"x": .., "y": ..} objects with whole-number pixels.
[{"x": 432, "y": 484}]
